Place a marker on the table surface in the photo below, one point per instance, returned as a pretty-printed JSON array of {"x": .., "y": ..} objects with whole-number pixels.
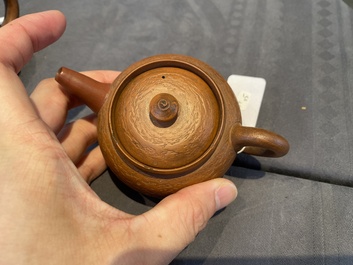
[{"x": 292, "y": 210}]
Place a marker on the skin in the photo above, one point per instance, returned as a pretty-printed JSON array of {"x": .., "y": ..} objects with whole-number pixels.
[{"x": 49, "y": 213}]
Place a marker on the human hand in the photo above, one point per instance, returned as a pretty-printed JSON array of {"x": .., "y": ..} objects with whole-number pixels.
[{"x": 49, "y": 214}]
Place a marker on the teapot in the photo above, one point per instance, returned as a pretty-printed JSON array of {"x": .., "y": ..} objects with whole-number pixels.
[{"x": 169, "y": 121}]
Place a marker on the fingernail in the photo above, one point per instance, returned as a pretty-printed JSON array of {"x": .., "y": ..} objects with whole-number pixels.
[{"x": 225, "y": 194}]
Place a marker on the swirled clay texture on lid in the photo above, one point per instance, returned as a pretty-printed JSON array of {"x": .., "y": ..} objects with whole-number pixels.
[{"x": 179, "y": 144}]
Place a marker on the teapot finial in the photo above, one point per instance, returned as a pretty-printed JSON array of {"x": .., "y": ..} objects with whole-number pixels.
[
  {"x": 164, "y": 110},
  {"x": 90, "y": 91}
]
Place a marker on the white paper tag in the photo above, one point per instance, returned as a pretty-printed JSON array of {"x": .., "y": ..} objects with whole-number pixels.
[
  {"x": 249, "y": 92},
  {"x": 2, "y": 20}
]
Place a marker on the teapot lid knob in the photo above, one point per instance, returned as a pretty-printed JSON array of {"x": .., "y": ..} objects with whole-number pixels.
[{"x": 163, "y": 110}]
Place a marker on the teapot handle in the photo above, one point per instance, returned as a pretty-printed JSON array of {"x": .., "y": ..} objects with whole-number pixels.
[
  {"x": 259, "y": 142},
  {"x": 11, "y": 11}
]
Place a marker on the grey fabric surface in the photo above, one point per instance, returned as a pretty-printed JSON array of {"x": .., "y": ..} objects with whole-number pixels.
[{"x": 304, "y": 50}]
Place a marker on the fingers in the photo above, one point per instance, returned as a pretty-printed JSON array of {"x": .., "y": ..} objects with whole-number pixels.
[
  {"x": 19, "y": 40},
  {"x": 175, "y": 221},
  {"x": 92, "y": 165},
  {"x": 76, "y": 138},
  {"x": 33, "y": 33},
  {"x": 52, "y": 102}
]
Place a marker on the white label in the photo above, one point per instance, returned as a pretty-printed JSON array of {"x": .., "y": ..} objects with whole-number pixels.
[
  {"x": 249, "y": 92},
  {"x": 1, "y": 20}
]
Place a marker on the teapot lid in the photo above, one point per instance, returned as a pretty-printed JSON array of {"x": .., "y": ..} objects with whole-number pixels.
[{"x": 166, "y": 114}]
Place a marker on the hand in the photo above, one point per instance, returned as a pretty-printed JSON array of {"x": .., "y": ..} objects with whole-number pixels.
[{"x": 49, "y": 214}]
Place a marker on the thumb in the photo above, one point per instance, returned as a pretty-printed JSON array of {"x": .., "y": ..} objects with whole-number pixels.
[
  {"x": 176, "y": 220},
  {"x": 28, "y": 34},
  {"x": 19, "y": 40}
]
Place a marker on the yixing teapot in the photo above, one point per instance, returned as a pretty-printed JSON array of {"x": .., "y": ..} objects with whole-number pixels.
[{"x": 167, "y": 122}]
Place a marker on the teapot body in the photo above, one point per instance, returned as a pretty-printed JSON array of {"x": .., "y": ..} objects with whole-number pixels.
[
  {"x": 169, "y": 121},
  {"x": 157, "y": 160}
]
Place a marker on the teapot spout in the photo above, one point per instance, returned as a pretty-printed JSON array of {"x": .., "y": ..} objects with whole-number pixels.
[{"x": 90, "y": 91}]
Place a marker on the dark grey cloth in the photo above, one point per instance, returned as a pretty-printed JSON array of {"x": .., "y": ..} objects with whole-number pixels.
[
  {"x": 280, "y": 220},
  {"x": 304, "y": 49}
]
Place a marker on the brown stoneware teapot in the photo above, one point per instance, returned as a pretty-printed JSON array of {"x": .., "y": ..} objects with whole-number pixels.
[{"x": 167, "y": 122}]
